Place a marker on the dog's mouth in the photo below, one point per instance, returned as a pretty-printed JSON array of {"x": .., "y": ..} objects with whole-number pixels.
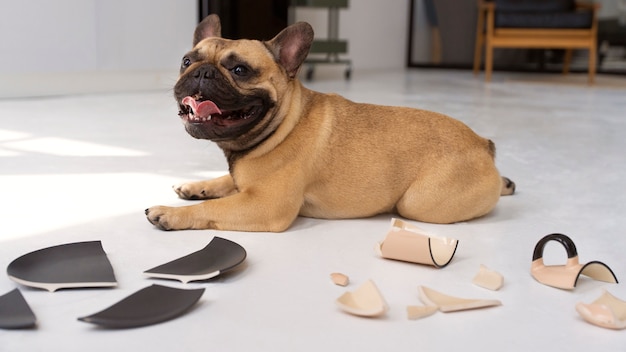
[
  {"x": 197, "y": 111},
  {"x": 204, "y": 119}
]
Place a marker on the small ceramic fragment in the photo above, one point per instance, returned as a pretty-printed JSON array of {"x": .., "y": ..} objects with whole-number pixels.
[
  {"x": 566, "y": 276},
  {"x": 15, "y": 313},
  {"x": 72, "y": 265},
  {"x": 607, "y": 311},
  {"x": 340, "y": 279},
  {"x": 488, "y": 279},
  {"x": 419, "y": 312},
  {"x": 408, "y": 243},
  {"x": 365, "y": 301},
  {"x": 452, "y": 304}
]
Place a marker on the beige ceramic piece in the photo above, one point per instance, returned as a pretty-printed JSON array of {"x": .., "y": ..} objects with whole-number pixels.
[
  {"x": 364, "y": 301},
  {"x": 566, "y": 276},
  {"x": 340, "y": 279},
  {"x": 607, "y": 311},
  {"x": 452, "y": 304},
  {"x": 488, "y": 279},
  {"x": 419, "y": 312},
  {"x": 411, "y": 244}
]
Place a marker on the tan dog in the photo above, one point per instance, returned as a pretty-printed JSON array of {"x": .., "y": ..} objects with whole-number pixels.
[{"x": 292, "y": 151}]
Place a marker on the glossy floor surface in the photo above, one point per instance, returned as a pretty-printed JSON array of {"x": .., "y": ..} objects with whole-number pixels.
[{"x": 82, "y": 168}]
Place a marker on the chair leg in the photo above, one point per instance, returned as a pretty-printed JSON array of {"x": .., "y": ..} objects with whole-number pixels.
[
  {"x": 478, "y": 53},
  {"x": 480, "y": 40},
  {"x": 488, "y": 61},
  {"x": 592, "y": 63},
  {"x": 567, "y": 60}
]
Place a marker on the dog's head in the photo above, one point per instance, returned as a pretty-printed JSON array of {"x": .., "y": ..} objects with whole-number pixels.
[{"x": 230, "y": 90}]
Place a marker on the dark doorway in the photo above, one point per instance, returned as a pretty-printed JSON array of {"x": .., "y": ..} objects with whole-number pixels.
[{"x": 250, "y": 19}]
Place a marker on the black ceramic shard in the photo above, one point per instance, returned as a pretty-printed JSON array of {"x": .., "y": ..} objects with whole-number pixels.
[
  {"x": 15, "y": 313},
  {"x": 73, "y": 265},
  {"x": 217, "y": 257},
  {"x": 151, "y": 305}
]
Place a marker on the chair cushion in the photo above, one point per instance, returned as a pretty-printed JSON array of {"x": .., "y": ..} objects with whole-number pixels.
[
  {"x": 535, "y": 5},
  {"x": 543, "y": 20}
]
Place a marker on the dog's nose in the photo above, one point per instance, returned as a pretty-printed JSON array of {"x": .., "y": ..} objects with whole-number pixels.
[{"x": 206, "y": 71}]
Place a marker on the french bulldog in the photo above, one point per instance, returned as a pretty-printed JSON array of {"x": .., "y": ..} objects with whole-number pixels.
[{"x": 295, "y": 152}]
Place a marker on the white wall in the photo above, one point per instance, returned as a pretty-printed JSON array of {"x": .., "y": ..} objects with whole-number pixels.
[
  {"x": 68, "y": 46},
  {"x": 50, "y": 47},
  {"x": 45, "y": 35},
  {"x": 143, "y": 34},
  {"x": 77, "y": 35}
]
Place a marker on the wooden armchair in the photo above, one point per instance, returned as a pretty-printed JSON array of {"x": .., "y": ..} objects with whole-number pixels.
[{"x": 549, "y": 24}]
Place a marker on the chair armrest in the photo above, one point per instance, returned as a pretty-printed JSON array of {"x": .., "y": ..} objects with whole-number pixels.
[
  {"x": 486, "y": 5},
  {"x": 588, "y": 6}
]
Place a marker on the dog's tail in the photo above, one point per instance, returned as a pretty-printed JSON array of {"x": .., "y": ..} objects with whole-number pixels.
[{"x": 508, "y": 187}]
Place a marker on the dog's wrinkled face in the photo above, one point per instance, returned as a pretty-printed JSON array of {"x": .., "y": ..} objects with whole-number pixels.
[
  {"x": 228, "y": 90},
  {"x": 221, "y": 95}
]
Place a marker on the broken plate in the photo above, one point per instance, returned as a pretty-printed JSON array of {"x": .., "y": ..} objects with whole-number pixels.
[
  {"x": 73, "y": 265},
  {"x": 566, "y": 276},
  {"x": 447, "y": 303},
  {"x": 151, "y": 305},
  {"x": 15, "y": 313},
  {"x": 217, "y": 257},
  {"x": 411, "y": 244},
  {"x": 489, "y": 279},
  {"x": 607, "y": 311},
  {"x": 365, "y": 301}
]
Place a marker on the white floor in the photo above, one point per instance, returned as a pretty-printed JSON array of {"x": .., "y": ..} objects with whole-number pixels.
[{"x": 78, "y": 168}]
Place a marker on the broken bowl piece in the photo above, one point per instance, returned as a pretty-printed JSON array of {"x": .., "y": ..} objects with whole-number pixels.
[
  {"x": 73, "y": 265},
  {"x": 219, "y": 256},
  {"x": 340, "y": 279},
  {"x": 408, "y": 243},
  {"x": 489, "y": 279},
  {"x": 15, "y": 313},
  {"x": 151, "y": 305},
  {"x": 566, "y": 276},
  {"x": 365, "y": 301},
  {"x": 419, "y": 312},
  {"x": 607, "y": 311},
  {"x": 447, "y": 303}
]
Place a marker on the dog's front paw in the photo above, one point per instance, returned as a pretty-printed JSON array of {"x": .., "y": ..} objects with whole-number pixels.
[
  {"x": 191, "y": 191},
  {"x": 165, "y": 218}
]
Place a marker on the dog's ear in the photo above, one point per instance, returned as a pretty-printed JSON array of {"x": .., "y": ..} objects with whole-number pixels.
[
  {"x": 291, "y": 46},
  {"x": 209, "y": 27}
]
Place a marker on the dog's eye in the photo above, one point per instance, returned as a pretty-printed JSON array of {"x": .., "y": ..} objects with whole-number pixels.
[
  {"x": 240, "y": 70},
  {"x": 186, "y": 62}
]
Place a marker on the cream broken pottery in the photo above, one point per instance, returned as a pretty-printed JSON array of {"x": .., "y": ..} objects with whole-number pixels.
[
  {"x": 488, "y": 279},
  {"x": 410, "y": 244},
  {"x": 566, "y": 276},
  {"x": 419, "y": 312},
  {"x": 340, "y": 279},
  {"x": 365, "y": 301},
  {"x": 447, "y": 303},
  {"x": 607, "y": 311}
]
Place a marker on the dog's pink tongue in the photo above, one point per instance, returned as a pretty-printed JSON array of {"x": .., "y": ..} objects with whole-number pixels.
[{"x": 202, "y": 109}]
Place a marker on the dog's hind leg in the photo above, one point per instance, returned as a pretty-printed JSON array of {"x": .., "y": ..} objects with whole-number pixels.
[
  {"x": 452, "y": 195},
  {"x": 216, "y": 188}
]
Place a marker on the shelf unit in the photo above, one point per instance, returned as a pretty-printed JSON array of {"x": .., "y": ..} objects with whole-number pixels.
[{"x": 332, "y": 46}]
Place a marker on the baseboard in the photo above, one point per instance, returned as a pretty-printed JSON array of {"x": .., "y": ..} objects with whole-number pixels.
[{"x": 25, "y": 85}]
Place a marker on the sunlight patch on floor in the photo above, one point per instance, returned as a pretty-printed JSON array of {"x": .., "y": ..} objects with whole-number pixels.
[
  {"x": 68, "y": 147},
  {"x": 35, "y": 204}
]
